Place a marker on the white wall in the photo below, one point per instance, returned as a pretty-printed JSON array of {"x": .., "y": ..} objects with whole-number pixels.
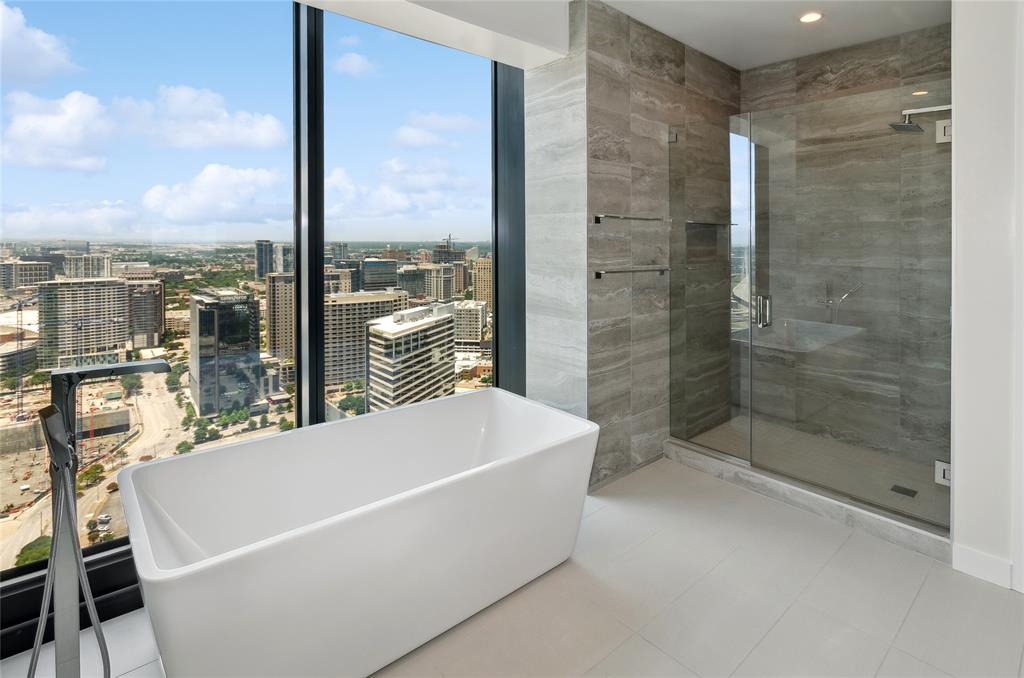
[
  {"x": 521, "y": 34},
  {"x": 987, "y": 350},
  {"x": 1018, "y": 567}
]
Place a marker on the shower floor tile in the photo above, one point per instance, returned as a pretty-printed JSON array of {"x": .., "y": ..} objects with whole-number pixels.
[
  {"x": 682, "y": 574},
  {"x": 862, "y": 472}
]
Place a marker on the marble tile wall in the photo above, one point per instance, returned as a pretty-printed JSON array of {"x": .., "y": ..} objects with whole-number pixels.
[
  {"x": 644, "y": 88},
  {"x": 556, "y": 232},
  {"x": 852, "y": 202}
]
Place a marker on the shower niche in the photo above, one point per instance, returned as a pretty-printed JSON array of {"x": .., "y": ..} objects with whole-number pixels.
[{"x": 811, "y": 289}]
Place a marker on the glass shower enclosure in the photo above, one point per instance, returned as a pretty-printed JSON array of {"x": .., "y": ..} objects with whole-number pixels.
[{"x": 810, "y": 306}]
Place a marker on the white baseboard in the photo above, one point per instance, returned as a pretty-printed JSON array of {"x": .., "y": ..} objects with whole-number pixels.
[{"x": 998, "y": 571}]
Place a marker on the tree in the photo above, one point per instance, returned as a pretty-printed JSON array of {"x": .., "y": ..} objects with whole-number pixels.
[
  {"x": 38, "y": 378},
  {"x": 112, "y": 487},
  {"x": 173, "y": 381},
  {"x": 251, "y": 424},
  {"x": 9, "y": 383},
  {"x": 37, "y": 549},
  {"x": 184, "y": 447},
  {"x": 264, "y": 421},
  {"x": 131, "y": 383},
  {"x": 90, "y": 476},
  {"x": 487, "y": 379},
  {"x": 136, "y": 355},
  {"x": 279, "y": 409},
  {"x": 199, "y": 435},
  {"x": 213, "y": 434},
  {"x": 286, "y": 425},
  {"x": 91, "y": 524},
  {"x": 289, "y": 389}
]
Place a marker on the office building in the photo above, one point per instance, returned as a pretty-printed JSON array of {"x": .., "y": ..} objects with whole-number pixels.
[
  {"x": 87, "y": 266},
  {"x": 224, "y": 350},
  {"x": 439, "y": 281},
  {"x": 413, "y": 280},
  {"x": 82, "y": 322},
  {"x": 145, "y": 312},
  {"x": 264, "y": 259},
  {"x": 337, "y": 280},
  {"x": 459, "y": 277},
  {"x": 379, "y": 274},
  {"x": 345, "y": 318},
  {"x": 15, "y": 273},
  {"x": 338, "y": 250},
  {"x": 355, "y": 276},
  {"x": 284, "y": 257},
  {"x": 483, "y": 281},
  {"x": 472, "y": 254},
  {"x": 178, "y": 321},
  {"x": 281, "y": 315},
  {"x": 470, "y": 322},
  {"x": 410, "y": 357}
]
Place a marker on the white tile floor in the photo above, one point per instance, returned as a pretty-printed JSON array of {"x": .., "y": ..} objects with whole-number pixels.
[{"x": 677, "y": 573}]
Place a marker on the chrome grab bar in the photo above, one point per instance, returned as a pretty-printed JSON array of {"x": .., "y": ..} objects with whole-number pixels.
[
  {"x": 661, "y": 270},
  {"x": 628, "y": 217}
]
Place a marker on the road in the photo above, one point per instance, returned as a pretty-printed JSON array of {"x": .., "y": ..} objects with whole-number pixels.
[{"x": 161, "y": 432}]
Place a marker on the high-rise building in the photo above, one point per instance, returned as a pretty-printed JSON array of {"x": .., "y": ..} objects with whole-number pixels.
[
  {"x": 483, "y": 281},
  {"x": 82, "y": 322},
  {"x": 410, "y": 357},
  {"x": 458, "y": 277},
  {"x": 224, "y": 351},
  {"x": 472, "y": 254},
  {"x": 284, "y": 257},
  {"x": 445, "y": 252},
  {"x": 379, "y": 274},
  {"x": 439, "y": 281},
  {"x": 394, "y": 253},
  {"x": 345, "y": 318},
  {"x": 356, "y": 276},
  {"x": 337, "y": 280},
  {"x": 339, "y": 250},
  {"x": 281, "y": 316},
  {"x": 145, "y": 312},
  {"x": 16, "y": 273},
  {"x": 87, "y": 266},
  {"x": 470, "y": 321},
  {"x": 264, "y": 259},
  {"x": 413, "y": 280}
]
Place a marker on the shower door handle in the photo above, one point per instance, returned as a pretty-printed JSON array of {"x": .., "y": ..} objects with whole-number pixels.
[{"x": 763, "y": 310}]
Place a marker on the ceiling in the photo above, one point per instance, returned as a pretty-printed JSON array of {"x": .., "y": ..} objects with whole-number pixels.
[{"x": 748, "y": 33}]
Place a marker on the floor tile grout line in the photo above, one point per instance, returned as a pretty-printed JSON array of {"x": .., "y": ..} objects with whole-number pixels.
[
  {"x": 793, "y": 602},
  {"x": 610, "y": 652},
  {"x": 910, "y": 609}
]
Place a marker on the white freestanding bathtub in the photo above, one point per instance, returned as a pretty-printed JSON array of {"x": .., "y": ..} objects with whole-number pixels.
[{"x": 335, "y": 549}]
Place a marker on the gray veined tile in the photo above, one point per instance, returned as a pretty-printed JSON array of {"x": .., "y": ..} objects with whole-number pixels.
[
  {"x": 655, "y": 55},
  {"x": 636, "y": 658},
  {"x": 965, "y": 626},
  {"x": 807, "y": 642}
]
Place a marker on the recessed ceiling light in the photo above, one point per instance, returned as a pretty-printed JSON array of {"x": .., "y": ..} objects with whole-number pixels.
[
  {"x": 919, "y": 93},
  {"x": 810, "y": 17}
]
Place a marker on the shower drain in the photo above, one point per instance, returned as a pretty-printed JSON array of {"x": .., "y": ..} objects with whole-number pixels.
[{"x": 905, "y": 491}]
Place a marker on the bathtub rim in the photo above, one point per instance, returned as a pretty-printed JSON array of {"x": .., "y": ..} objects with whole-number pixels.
[{"x": 145, "y": 562}]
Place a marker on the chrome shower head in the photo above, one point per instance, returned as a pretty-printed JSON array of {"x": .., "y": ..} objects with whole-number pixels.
[{"x": 907, "y": 125}]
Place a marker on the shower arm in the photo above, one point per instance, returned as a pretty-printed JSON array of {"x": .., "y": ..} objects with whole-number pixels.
[{"x": 928, "y": 109}]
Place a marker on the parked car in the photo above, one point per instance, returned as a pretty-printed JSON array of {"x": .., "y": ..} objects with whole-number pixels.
[{"x": 103, "y": 518}]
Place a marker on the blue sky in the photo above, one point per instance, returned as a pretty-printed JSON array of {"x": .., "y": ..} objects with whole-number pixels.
[{"x": 171, "y": 121}]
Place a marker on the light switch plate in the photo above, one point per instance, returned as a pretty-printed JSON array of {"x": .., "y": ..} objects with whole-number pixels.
[
  {"x": 943, "y": 131},
  {"x": 943, "y": 473}
]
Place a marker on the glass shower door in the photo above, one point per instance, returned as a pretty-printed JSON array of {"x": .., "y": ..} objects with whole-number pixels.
[
  {"x": 849, "y": 359},
  {"x": 711, "y": 253}
]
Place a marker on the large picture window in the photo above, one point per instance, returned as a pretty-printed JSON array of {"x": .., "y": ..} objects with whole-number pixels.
[{"x": 150, "y": 195}]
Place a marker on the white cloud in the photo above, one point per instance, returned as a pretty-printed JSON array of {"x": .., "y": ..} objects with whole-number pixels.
[
  {"x": 58, "y": 133},
  {"x": 349, "y": 40},
  {"x": 419, "y": 191},
  {"x": 354, "y": 64},
  {"x": 102, "y": 218},
  {"x": 186, "y": 117},
  {"x": 417, "y": 137},
  {"x": 29, "y": 54},
  {"x": 217, "y": 194},
  {"x": 443, "y": 121}
]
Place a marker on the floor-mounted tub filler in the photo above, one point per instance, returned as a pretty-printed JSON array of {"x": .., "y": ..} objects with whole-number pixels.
[{"x": 336, "y": 549}]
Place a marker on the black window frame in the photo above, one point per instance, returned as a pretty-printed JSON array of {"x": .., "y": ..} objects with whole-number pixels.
[{"x": 110, "y": 566}]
